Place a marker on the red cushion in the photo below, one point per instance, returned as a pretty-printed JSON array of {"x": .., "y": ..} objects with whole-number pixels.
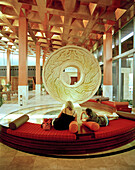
[
  {"x": 73, "y": 127},
  {"x": 121, "y": 104},
  {"x": 34, "y": 131},
  {"x": 125, "y": 109},
  {"x": 115, "y": 127},
  {"x": 92, "y": 100},
  {"x": 109, "y": 103},
  {"x": 92, "y": 125}
]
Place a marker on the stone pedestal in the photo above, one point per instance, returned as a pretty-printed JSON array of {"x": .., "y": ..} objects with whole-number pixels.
[
  {"x": 108, "y": 91},
  {"x": 22, "y": 95},
  {"x": 38, "y": 89}
]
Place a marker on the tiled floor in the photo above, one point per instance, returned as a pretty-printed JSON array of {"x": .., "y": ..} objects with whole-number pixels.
[{"x": 11, "y": 159}]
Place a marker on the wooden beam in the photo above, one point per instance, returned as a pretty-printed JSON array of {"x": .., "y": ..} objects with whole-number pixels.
[
  {"x": 41, "y": 4},
  {"x": 69, "y": 8},
  {"x": 5, "y": 35},
  {"x": 6, "y": 21},
  {"x": 31, "y": 33},
  {"x": 92, "y": 21}
]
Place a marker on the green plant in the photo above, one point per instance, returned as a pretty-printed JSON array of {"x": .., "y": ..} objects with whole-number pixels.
[
  {"x": 130, "y": 101},
  {"x": 8, "y": 85},
  {"x": 1, "y": 100},
  {"x": 1, "y": 88},
  {"x": 43, "y": 86}
]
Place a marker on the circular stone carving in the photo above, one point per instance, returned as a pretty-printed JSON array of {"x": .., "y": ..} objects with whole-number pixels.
[{"x": 71, "y": 56}]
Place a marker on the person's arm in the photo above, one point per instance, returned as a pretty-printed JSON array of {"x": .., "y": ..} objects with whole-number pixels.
[
  {"x": 81, "y": 118},
  {"x": 88, "y": 119},
  {"x": 75, "y": 117}
]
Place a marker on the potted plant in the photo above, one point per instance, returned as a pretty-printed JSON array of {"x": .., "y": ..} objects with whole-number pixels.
[
  {"x": 8, "y": 86},
  {"x": 43, "y": 87},
  {"x": 1, "y": 88},
  {"x": 1, "y": 100}
]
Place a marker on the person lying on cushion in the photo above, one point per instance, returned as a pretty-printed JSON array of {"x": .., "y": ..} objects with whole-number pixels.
[
  {"x": 66, "y": 116},
  {"x": 92, "y": 116}
]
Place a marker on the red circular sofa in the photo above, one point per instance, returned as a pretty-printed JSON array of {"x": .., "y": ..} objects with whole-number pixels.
[{"x": 32, "y": 138}]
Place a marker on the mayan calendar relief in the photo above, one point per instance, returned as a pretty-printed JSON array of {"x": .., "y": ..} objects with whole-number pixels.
[{"x": 84, "y": 61}]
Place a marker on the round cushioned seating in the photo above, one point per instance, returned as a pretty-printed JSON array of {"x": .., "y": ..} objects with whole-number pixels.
[
  {"x": 32, "y": 138},
  {"x": 115, "y": 127},
  {"x": 126, "y": 115},
  {"x": 34, "y": 131},
  {"x": 122, "y": 106}
]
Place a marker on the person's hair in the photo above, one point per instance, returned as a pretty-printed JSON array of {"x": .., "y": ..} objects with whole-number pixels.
[
  {"x": 88, "y": 111},
  {"x": 69, "y": 105}
]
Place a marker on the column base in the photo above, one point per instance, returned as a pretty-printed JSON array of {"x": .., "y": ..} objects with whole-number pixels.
[
  {"x": 22, "y": 95},
  {"x": 38, "y": 89},
  {"x": 108, "y": 91}
]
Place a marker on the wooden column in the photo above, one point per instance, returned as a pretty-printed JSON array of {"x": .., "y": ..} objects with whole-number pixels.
[
  {"x": 23, "y": 69},
  {"x": 44, "y": 56},
  {"x": 8, "y": 67},
  {"x": 44, "y": 59},
  {"x": 107, "y": 69},
  {"x": 134, "y": 65},
  {"x": 38, "y": 75}
]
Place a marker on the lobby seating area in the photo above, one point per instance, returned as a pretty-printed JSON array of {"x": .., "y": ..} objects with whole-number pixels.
[
  {"x": 30, "y": 137},
  {"x": 54, "y": 51},
  {"x": 119, "y": 106},
  {"x": 11, "y": 158}
]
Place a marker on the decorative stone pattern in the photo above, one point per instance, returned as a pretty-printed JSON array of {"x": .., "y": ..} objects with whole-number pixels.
[{"x": 84, "y": 61}]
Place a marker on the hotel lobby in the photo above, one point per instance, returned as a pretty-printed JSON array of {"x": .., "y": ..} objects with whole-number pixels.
[{"x": 59, "y": 50}]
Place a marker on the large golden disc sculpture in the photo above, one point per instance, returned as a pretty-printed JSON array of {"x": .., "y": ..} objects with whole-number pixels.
[{"x": 71, "y": 56}]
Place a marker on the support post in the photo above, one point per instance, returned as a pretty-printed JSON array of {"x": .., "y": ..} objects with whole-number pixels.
[
  {"x": 119, "y": 94},
  {"x": 8, "y": 67},
  {"x": 38, "y": 77},
  {"x": 23, "y": 69},
  {"x": 107, "y": 69},
  {"x": 134, "y": 64}
]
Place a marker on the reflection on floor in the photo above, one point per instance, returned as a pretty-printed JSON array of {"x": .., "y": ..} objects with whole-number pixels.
[{"x": 37, "y": 109}]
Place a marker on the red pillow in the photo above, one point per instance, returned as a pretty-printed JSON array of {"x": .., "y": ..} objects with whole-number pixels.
[
  {"x": 73, "y": 127},
  {"x": 92, "y": 125}
]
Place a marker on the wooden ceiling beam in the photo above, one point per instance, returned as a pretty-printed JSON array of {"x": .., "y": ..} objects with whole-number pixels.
[
  {"x": 6, "y": 21},
  {"x": 44, "y": 16},
  {"x": 41, "y": 4},
  {"x": 31, "y": 33},
  {"x": 10, "y": 39},
  {"x": 17, "y": 6},
  {"x": 99, "y": 2},
  {"x": 91, "y": 23},
  {"x": 69, "y": 9}
]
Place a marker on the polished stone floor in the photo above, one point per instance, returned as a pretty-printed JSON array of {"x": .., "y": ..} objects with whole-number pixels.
[{"x": 11, "y": 159}]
